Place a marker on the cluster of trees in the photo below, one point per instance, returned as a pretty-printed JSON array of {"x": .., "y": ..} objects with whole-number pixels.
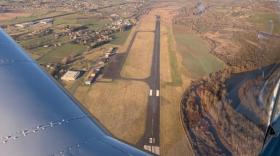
[
  {"x": 214, "y": 124},
  {"x": 215, "y": 127}
]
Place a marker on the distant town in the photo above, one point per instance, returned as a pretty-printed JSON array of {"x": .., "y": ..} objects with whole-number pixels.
[{"x": 80, "y": 26}]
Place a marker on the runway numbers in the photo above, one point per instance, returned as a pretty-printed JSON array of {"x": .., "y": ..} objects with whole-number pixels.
[{"x": 153, "y": 149}]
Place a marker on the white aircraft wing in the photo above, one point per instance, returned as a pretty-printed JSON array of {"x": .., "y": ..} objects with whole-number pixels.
[{"x": 39, "y": 118}]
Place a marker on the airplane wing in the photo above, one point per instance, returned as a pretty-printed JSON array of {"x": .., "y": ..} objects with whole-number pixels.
[
  {"x": 272, "y": 137},
  {"x": 38, "y": 117},
  {"x": 272, "y": 141}
]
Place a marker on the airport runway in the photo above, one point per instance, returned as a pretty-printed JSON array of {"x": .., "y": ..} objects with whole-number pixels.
[{"x": 151, "y": 138}]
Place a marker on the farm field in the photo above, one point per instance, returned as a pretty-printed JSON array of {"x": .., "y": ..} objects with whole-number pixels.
[
  {"x": 12, "y": 15},
  {"x": 112, "y": 105},
  {"x": 78, "y": 19},
  {"x": 196, "y": 54},
  {"x": 58, "y": 53},
  {"x": 138, "y": 63},
  {"x": 26, "y": 16},
  {"x": 120, "y": 37},
  {"x": 264, "y": 21}
]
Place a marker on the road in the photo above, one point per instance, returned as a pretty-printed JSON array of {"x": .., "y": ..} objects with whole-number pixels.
[
  {"x": 151, "y": 138},
  {"x": 71, "y": 13}
]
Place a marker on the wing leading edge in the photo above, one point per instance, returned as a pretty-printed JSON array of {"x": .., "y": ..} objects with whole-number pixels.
[{"x": 39, "y": 118}]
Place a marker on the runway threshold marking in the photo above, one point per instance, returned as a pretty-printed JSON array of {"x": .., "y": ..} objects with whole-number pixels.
[
  {"x": 157, "y": 93},
  {"x": 153, "y": 149},
  {"x": 151, "y": 92}
]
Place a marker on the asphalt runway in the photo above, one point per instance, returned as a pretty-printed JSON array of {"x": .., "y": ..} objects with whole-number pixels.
[{"x": 151, "y": 138}]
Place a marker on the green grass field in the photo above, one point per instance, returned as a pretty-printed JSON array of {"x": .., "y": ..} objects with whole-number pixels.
[
  {"x": 263, "y": 21},
  {"x": 58, "y": 53},
  {"x": 175, "y": 74},
  {"x": 196, "y": 57},
  {"x": 35, "y": 45},
  {"x": 35, "y": 14},
  {"x": 37, "y": 42},
  {"x": 80, "y": 19},
  {"x": 120, "y": 37}
]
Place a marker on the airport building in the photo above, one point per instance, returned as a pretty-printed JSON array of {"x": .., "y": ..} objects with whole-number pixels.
[
  {"x": 47, "y": 21},
  {"x": 71, "y": 75},
  {"x": 23, "y": 25}
]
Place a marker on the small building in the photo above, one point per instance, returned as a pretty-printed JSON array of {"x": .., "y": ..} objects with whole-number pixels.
[
  {"x": 92, "y": 76},
  {"x": 23, "y": 25},
  {"x": 71, "y": 75},
  {"x": 46, "y": 21},
  {"x": 111, "y": 51},
  {"x": 115, "y": 16}
]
